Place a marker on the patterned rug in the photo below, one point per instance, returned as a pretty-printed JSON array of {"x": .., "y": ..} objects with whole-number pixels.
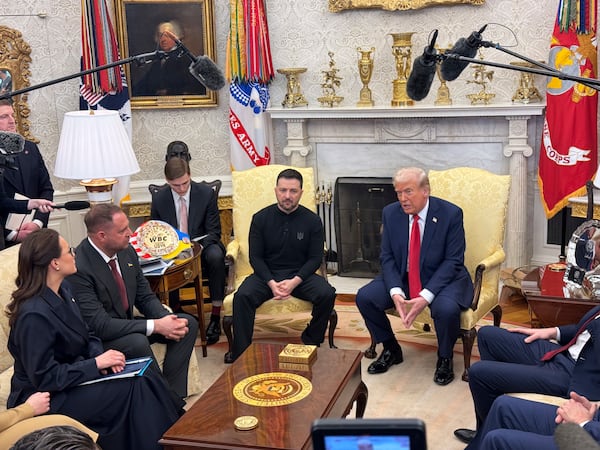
[{"x": 350, "y": 325}]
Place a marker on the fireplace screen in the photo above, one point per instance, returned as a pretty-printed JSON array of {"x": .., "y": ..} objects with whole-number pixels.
[{"x": 358, "y": 202}]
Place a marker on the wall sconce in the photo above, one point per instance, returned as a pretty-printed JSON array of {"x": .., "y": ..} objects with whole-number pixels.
[{"x": 95, "y": 148}]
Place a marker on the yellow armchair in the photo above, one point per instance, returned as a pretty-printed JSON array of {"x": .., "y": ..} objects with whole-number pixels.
[
  {"x": 253, "y": 190},
  {"x": 483, "y": 197}
]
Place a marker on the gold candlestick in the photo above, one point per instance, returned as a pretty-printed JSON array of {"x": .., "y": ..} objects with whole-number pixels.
[
  {"x": 365, "y": 70},
  {"x": 526, "y": 92},
  {"x": 401, "y": 49},
  {"x": 294, "y": 96},
  {"x": 443, "y": 92}
]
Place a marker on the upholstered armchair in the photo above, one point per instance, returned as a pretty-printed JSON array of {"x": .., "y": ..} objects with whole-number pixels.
[
  {"x": 483, "y": 197},
  {"x": 253, "y": 190}
]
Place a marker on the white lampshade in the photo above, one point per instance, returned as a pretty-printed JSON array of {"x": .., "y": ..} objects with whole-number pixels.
[{"x": 94, "y": 144}]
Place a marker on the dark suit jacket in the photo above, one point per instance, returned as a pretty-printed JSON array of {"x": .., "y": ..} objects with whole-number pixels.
[
  {"x": 203, "y": 217},
  {"x": 52, "y": 348},
  {"x": 98, "y": 296},
  {"x": 442, "y": 251},
  {"x": 32, "y": 179},
  {"x": 585, "y": 374}
]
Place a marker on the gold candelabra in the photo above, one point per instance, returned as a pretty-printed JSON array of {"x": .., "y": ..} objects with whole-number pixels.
[
  {"x": 526, "y": 92},
  {"x": 331, "y": 81},
  {"x": 443, "y": 92}
]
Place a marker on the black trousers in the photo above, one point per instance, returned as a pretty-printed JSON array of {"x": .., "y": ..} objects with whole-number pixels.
[{"x": 253, "y": 292}]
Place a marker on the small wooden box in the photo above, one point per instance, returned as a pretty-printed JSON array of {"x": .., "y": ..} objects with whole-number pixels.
[{"x": 298, "y": 354}]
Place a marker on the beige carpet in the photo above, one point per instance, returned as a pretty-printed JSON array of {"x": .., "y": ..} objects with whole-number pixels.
[{"x": 406, "y": 390}]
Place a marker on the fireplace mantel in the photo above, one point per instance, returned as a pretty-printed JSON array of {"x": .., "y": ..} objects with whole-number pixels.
[{"x": 506, "y": 125}]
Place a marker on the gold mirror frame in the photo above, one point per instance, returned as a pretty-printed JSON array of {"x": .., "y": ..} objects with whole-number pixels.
[
  {"x": 14, "y": 57},
  {"x": 394, "y": 5}
]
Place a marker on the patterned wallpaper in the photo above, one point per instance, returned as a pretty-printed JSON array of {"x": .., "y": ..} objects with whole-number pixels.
[{"x": 302, "y": 33}]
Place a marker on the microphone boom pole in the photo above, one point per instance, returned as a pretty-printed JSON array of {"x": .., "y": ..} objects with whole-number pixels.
[{"x": 143, "y": 58}]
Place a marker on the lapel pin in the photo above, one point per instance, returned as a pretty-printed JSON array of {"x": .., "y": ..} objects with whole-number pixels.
[
  {"x": 129, "y": 265},
  {"x": 434, "y": 220}
]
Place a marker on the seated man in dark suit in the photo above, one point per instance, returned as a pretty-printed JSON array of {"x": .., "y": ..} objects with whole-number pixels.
[
  {"x": 527, "y": 360},
  {"x": 192, "y": 208},
  {"x": 31, "y": 178},
  {"x": 106, "y": 298},
  {"x": 518, "y": 424},
  {"x": 433, "y": 275}
]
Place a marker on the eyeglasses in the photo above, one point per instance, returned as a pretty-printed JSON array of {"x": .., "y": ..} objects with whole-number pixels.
[{"x": 72, "y": 251}]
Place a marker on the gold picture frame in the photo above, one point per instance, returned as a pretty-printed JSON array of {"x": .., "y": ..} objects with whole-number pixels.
[
  {"x": 15, "y": 57},
  {"x": 394, "y": 5},
  {"x": 152, "y": 84}
]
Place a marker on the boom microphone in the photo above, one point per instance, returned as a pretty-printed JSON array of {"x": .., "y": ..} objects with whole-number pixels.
[
  {"x": 423, "y": 71},
  {"x": 453, "y": 67},
  {"x": 74, "y": 205},
  {"x": 11, "y": 143},
  {"x": 202, "y": 68},
  {"x": 570, "y": 436}
]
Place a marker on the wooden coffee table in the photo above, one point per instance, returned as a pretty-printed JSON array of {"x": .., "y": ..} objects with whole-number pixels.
[{"x": 336, "y": 384}]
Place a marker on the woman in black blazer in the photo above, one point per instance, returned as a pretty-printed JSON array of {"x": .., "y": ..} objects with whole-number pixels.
[{"x": 55, "y": 352}]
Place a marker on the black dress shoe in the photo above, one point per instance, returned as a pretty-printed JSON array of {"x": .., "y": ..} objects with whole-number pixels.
[
  {"x": 213, "y": 332},
  {"x": 386, "y": 360},
  {"x": 443, "y": 372},
  {"x": 465, "y": 435}
]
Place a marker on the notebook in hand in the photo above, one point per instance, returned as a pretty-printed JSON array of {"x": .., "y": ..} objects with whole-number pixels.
[{"x": 133, "y": 368}]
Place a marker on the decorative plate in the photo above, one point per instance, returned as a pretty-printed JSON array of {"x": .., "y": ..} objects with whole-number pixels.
[{"x": 272, "y": 389}]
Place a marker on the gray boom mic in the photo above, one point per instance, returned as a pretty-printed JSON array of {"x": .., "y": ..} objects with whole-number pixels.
[
  {"x": 11, "y": 143},
  {"x": 202, "y": 67},
  {"x": 570, "y": 436}
]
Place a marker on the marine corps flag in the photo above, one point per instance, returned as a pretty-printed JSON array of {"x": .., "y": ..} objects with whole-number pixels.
[
  {"x": 249, "y": 71},
  {"x": 569, "y": 153}
]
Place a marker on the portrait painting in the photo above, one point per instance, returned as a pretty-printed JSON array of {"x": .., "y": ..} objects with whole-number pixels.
[{"x": 163, "y": 38}]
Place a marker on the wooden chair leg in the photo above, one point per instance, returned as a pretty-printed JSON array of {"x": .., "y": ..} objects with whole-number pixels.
[
  {"x": 468, "y": 339},
  {"x": 227, "y": 323},
  {"x": 370, "y": 352},
  {"x": 497, "y": 313},
  {"x": 333, "y": 321}
]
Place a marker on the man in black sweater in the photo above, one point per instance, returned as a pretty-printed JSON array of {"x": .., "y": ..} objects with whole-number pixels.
[{"x": 286, "y": 249}]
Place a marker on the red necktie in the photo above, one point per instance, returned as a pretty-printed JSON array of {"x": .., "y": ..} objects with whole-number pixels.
[
  {"x": 183, "y": 215},
  {"x": 552, "y": 353},
  {"x": 120, "y": 284},
  {"x": 414, "y": 255}
]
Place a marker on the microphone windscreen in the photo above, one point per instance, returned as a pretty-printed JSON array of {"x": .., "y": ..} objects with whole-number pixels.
[
  {"x": 11, "y": 142},
  {"x": 74, "y": 205},
  {"x": 207, "y": 73},
  {"x": 570, "y": 436},
  {"x": 452, "y": 67},
  {"x": 420, "y": 79}
]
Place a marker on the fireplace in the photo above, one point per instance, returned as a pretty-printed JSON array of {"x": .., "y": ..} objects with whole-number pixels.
[{"x": 358, "y": 202}]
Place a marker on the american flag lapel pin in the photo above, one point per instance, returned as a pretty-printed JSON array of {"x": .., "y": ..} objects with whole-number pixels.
[
  {"x": 129, "y": 265},
  {"x": 434, "y": 220}
]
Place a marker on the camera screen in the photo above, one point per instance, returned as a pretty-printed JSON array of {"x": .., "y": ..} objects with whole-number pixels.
[{"x": 367, "y": 442}]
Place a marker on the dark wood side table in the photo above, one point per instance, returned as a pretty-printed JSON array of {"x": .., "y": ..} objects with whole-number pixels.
[
  {"x": 180, "y": 274},
  {"x": 552, "y": 309}
]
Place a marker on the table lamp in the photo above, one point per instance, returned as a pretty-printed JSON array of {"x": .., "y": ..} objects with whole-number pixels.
[{"x": 95, "y": 148}]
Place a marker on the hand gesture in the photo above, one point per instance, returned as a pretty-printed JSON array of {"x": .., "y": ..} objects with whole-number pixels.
[
  {"x": 40, "y": 402},
  {"x": 171, "y": 327},
  {"x": 25, "y": 230},
  {"x": 577, "y": 409},
  {"x": 112, "y": 360},
  {"x": 416, "y": 305},
  {"x": 535, "y": 333}
]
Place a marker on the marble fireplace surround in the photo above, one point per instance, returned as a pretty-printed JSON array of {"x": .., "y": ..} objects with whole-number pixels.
[{"x": 374, "y": 142}]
